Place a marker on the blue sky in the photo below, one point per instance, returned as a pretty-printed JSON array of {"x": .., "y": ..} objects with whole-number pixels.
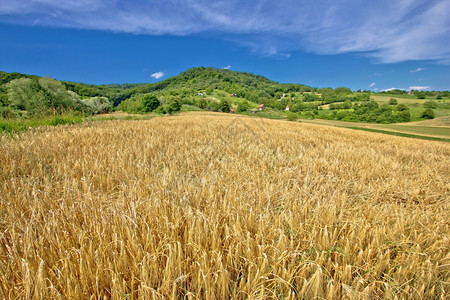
[{"x": 359, "y": 44}]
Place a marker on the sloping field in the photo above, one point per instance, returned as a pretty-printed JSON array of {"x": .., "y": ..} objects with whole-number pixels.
[
  {"x": 422, "y": 128},
  {"x": 441, "y": 121},
  {"x": 219, "y": 206}
]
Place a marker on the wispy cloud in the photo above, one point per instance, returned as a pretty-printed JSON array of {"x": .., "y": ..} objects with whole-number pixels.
[
  {"x": 227, "y": 67},
  {"x": 420, "y": 88},
  {"x": 372, "y": 84},
  {"x": 417, "y": 70},
  {"x": 388, "y": 31},
  {"x": 157, "y": 75},
  {"x": 391, "y": 89}
]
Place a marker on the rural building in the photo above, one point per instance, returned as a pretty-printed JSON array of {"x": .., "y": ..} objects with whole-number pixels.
[
  {"x": 233, "y": 95},
  {"x": 262, "y": 107},
  {"x": 287, "y": 108},
  {"x": 200, "y": 94},
  {"x": 231, "y": 110}
]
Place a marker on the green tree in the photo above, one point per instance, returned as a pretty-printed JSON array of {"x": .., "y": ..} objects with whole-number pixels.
[
  {"x": 57, "y": 97},
  {"x": 291, "y": 116},
  {"x": 393, "y": 101},
  {"x": 224, "y": 106},
  {"x": 404, "y": 116},
  {"x": 428, "y": 114},
  {"x": 149, "y": 102},
  {"x": 347, "y": 104},
  {"x": 201, "y": 103},
  {"x": 25, "y": 94},
  {"x": 402, "y": 107},
  {"x": 98, "y": 105},
  {"x": 172, "y": 105},
  {"x": 38, "y": 95},
  {"x": 242, "y": 106},
  {"x": 421, "y": 95}
]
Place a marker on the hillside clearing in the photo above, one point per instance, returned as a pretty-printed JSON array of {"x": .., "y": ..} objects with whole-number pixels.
[{"x": 218, "y": 206}]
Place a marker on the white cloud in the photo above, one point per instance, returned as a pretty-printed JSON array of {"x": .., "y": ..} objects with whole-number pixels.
[
  {"x": 389, "y": 31},
  {"x": 157, "y": 75},
  {"x": 420, "y": 88},
  {"x": 227, "y": 67},
  {"x": 372, "y": 84},
  {"x": 391, "y": 89},
  {"x": 417, "y": 70}
]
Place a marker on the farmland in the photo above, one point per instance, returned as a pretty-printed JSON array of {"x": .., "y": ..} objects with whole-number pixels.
[{"x": 216, "y": 206}]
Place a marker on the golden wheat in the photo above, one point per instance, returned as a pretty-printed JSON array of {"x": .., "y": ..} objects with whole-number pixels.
[{"x": 213, "y": 206}]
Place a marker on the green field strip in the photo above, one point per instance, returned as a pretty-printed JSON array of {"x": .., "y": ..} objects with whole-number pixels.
[{"x": 422, "y": 137}]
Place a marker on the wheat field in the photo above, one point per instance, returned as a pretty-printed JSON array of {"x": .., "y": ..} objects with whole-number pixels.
[{"x": 215, "y": 206}]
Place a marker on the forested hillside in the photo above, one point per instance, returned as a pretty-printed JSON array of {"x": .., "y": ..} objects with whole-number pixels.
[{"x": 215, "y": 90}]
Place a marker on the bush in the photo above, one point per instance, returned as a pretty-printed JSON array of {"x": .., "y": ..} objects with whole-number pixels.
[
  {"x": 172, "y": 105},
  {"x": 7, "y": 113},
  {"x": 201, "y": 103},
  {"x": 404, "y": 116},
  {"x": 341, "y": 114},
  {"x": 430, "y": 104},
  {"x": 393, "y": 101},
  {"x": 243, "y": 106},
  {"x": 428, "y": 114},
  {"x": 224, "y": 106},
  {"x": 291, "y": 116},
  {"x": 97, "y": 105},
  {"x": 160, "y": 110},
  {"x": 402, "y": 107},
  {"x": 421, "y": 95},
  {"x": 213, "y": 106}
]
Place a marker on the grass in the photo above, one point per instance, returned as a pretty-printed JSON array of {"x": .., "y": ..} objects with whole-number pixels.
[
  {"x": 404, "y": 99},
  {"x": 10, "y": 126},
  {"x": 426, "y": 130},
  {"x": 220, "y": 206},
  {"x": 431, "y": 138},
  {"x": 267, "y": 114}
]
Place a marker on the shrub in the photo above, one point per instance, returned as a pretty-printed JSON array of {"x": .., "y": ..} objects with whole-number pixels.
[
  {"x": 291, "y": 116},
  {"x": 243, "y": 106},
  {"x": 404, "y": 116},
  {"x": 201, "y": 103},
  {"x": 428, "y": 114},
  {"x": 7, "y": 113},
  {"x": 402, "y": 107},
  {"x": 224, "y": 106},
  {"x": 430, "y": 104},
  {"x": 160, "y": 110},
  {"x": 393, "y": 101},
  {"x": 421, "y": 96},
  {"x": 172, "y": 105}
]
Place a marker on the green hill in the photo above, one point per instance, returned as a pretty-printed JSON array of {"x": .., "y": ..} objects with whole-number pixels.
[
  {"x": 252, "y": 87},
  {"x": 212, "y": 89}
]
